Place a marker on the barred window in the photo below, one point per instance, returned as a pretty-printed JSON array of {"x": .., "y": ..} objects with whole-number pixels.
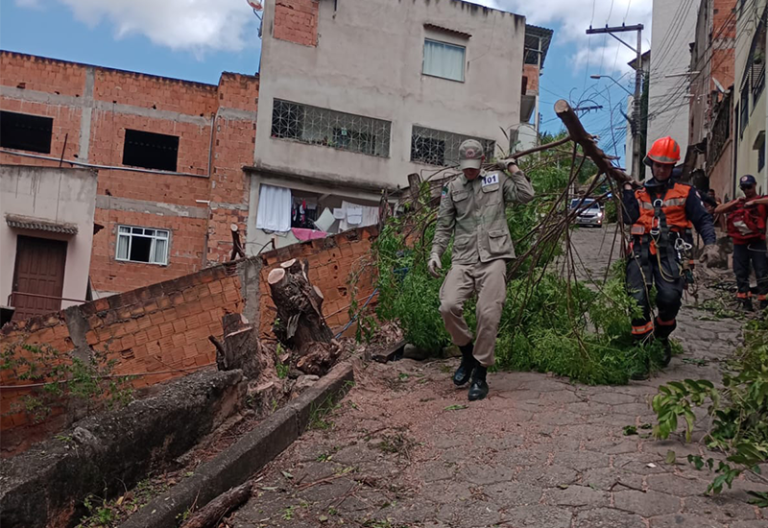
[
  {"x": 329, "y": 128},
  {"x": 442, "y": 148}
]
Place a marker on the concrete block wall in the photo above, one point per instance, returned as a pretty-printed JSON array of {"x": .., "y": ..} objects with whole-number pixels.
[
  {"x": 92, "y": 107},
  {"x": 160, "y": 332},
  {"x": 296, "y": 21}
]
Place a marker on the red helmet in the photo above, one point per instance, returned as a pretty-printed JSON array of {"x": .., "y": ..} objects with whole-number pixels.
[{"x": 665, "y": 151}]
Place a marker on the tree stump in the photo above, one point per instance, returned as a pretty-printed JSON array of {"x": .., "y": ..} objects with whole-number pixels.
[
  {"x": 241, "y": 348},
  {"x": 300, "y": 321}
]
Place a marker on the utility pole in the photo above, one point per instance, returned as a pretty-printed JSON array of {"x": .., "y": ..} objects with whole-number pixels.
[{"x": 637, "y": 162}]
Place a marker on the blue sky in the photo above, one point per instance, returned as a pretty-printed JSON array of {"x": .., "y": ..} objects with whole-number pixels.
[{"x": 198, "y": 39}]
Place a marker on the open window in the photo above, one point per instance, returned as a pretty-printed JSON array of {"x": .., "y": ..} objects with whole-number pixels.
[
  {"x": 26, "y": 132},
  {"x": 150, "y": 151},
  {"x": 141, "y": 244},
  {"x": 282, "y": 210}
]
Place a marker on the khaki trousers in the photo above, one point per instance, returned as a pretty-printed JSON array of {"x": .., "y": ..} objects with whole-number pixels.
[{"x": 488, "y": 281}]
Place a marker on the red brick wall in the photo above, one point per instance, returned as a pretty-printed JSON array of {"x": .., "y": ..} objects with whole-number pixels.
[
  {"x": 41, "y": 74},
  {"x": 158, "y": 332},
  {"x": 126, "y": 100},
  {"x": 531, "y": 71},
  {"x": 724, "y": 30},
  {"x": 234, "y": 145},
  {"x": 186, "y": 253},
  {"x": 161, "y": 331},
  {"x": 296, "y": 21}
]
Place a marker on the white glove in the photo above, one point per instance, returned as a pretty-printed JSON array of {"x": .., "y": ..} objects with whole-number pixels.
[{"x": 434, "y": 265}]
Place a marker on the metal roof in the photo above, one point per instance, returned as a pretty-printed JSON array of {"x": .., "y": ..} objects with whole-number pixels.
[
  {"x": 36, "y": 224},
  {"x": 532, "y": 36}
]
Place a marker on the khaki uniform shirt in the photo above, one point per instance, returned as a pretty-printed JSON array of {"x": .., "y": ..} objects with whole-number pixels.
[{"x": 475, "y": 212}]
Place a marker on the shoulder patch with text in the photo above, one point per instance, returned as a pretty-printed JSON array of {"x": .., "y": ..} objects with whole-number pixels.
[{"x": 490, "y": 179}]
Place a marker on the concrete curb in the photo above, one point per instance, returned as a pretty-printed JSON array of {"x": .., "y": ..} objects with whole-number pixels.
[{"x": 248, "y": 455}]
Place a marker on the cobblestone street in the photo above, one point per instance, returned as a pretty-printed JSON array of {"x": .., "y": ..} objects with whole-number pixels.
[{"x": 405, "y": 448}]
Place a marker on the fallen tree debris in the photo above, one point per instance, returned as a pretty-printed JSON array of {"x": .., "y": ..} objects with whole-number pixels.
[{"x": 210, "y": 514}]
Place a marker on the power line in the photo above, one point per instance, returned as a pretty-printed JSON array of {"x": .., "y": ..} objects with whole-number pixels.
[{"x": 676, "y": 91}]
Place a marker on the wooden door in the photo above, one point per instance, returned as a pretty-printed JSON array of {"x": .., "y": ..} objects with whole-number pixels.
[{"x": 39, "y": 271}]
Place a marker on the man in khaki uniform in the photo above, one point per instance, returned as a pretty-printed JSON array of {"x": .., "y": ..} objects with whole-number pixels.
[{"x": 472, "y": 208}]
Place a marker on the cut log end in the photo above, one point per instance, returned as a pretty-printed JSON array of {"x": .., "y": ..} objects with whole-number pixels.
[
  {"x": 318, "y": 292},
  {"x": 233, "y": 227},
  {"x": 562, "y": 106},
  {"x": 275, "y": 276},
  {"x": 288, "y": 263}
]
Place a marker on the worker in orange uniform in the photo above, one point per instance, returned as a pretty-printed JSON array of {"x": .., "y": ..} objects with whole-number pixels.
[{"x": 662, "y": 213}]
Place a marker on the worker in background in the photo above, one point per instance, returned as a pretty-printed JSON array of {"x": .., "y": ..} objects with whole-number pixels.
[
  {"x": 472, "y": 209},
  {"x": 718, "y": 218},
  {"x": 746, "y": 226},
  {"x": 662, "y": 213}
]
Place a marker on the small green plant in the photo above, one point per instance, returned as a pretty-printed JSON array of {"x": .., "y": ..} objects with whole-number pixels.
[
  {"x": 288, "y": 513},
  {"x": 60, "y": 377},
  {"x": 181, "y": 518},
  {"x": 739, "y": 412},
  {"x": 282, "y": 370},
  {"x": 318, "y": 415}
]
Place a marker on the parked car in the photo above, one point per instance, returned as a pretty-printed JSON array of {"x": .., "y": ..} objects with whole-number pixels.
[{"x": 590, "y": 213}]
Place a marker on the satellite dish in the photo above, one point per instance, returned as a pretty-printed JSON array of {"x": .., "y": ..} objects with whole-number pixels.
[{"x": 256, "y": 5}]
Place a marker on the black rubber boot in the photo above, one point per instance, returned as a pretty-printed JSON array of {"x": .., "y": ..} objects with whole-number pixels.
[
  {"x": 764, "y": 305},
  {"x": 667, "y": 355},
  {"x": 468, "y": 363},
  {"x": 479, "y": 388},
  {"x": 746, "y": 305}
]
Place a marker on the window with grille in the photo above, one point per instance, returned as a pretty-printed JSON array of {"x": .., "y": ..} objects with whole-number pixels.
[
  {"x": 744, "y": 117},
  {"x": 150, "y": 150},
  {"x": 26, "y": 132},
  {"x": 443, "y": 60},
  {"x": 329, "y": 128},
  {"x": 140, "y": 244},
  {"x": 436, "y": 147}
]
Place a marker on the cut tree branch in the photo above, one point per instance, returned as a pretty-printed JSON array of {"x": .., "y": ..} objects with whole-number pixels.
[{"x": 588, "y": 144}]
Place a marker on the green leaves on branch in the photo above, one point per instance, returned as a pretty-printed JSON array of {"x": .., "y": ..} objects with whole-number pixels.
[{"x": 739, "y": 413}]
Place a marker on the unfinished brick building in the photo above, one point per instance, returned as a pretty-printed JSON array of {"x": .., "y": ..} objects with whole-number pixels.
[
  {"x": 341, "y": 123},
  {"x": 169, "y": 154}
]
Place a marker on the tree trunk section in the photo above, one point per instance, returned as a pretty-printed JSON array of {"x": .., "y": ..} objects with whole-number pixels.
[
  {"x": 300, "y": 321},
  {"x": 211, "y": 514},
  {"x": 240, "y": 349}
]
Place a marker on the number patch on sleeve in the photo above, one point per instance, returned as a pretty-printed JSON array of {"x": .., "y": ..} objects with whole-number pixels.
[{"x": 491, "y": 179}]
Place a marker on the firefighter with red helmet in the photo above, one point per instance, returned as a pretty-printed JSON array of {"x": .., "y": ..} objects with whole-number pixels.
[
  {"x": 746, "y": 226},
  {"x": 662, "y": 213}
]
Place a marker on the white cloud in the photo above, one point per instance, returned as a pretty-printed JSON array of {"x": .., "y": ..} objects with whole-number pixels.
[
  {"x": 194, "y": 25},
  {"x": 571, "y": 18}
]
